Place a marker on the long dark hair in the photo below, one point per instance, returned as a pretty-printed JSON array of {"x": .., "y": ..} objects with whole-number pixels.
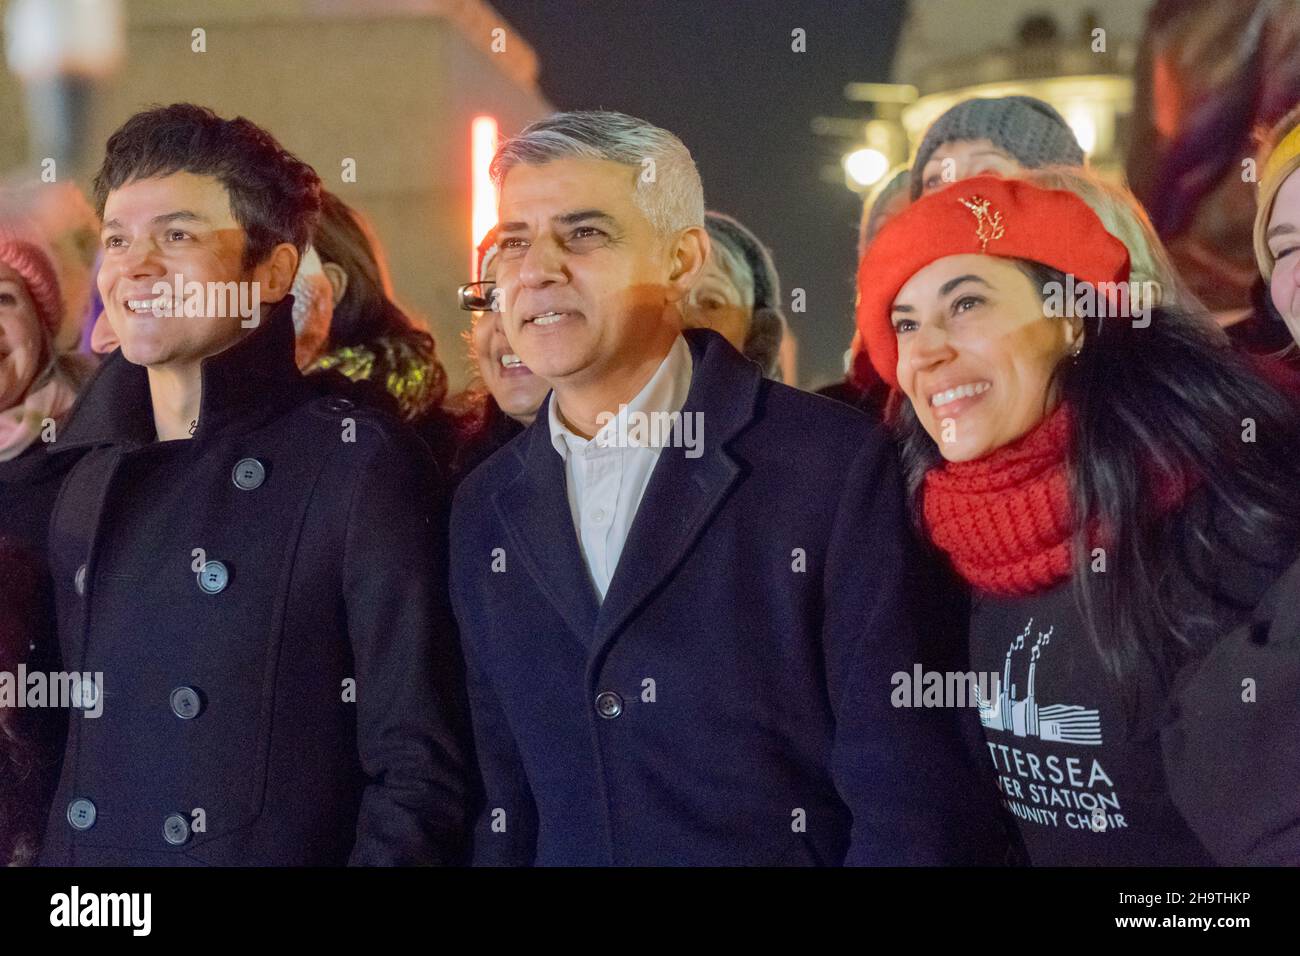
[
  {"x": 1158, "y": 404},
  {"x": 367, "y": 312}
]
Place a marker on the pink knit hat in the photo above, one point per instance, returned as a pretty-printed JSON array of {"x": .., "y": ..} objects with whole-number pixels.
[{"x": 27, "y": 257}]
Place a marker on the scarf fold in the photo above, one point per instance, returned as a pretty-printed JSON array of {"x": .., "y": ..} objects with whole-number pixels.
[
  {"x": 1005, "y": 519},
  {"x": 21, "y": 425}
]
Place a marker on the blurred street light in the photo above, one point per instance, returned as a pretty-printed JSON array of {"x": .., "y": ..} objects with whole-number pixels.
[
  {"x": 1083, "y": 124},
  {"x": 483, "y": 202},
  {"x": 885, "y": 146},
  {"x": 865, "y": 167}
]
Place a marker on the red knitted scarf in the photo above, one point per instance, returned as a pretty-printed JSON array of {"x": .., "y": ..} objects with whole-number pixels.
[{"x": 1005, "y": 519}]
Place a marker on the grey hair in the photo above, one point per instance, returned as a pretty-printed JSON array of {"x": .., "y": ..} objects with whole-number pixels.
[{"x": 672, "y": 199}]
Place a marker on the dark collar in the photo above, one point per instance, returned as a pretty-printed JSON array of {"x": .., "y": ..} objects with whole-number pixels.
[
  {"x": 242, "y": 385},
  {"x": 724, "y": 384}
]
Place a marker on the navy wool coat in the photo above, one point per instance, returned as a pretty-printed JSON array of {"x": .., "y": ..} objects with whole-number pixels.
[
  {"x": 729, "y": 701},
  {"x": 304, "y": 695}
]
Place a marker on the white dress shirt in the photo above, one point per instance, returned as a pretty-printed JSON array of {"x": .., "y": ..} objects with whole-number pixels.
[{"x": 606, "y": 476}]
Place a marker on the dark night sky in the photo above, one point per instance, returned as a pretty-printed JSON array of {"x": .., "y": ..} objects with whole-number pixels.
[{"x": 721, "y": 75}]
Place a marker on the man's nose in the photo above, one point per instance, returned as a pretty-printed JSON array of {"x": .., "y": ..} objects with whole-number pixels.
[
  {"x": 141, "y": 258},
  {"x": 543, "y": 264}
]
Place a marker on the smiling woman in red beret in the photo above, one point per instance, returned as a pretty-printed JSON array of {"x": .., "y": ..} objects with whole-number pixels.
[{"x": 1120, "y": 491}]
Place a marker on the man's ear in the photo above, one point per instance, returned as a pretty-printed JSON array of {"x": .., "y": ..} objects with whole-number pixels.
[
  {"x": 277, "y": 271},
  {"x": 689, "y": 254}
]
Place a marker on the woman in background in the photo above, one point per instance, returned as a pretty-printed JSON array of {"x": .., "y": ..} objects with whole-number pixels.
[
  {"x": 1277, "y": 220},
  {"x": 861, "y": 387},
  {"x": 503, "y": 395},
  {"x": 1152, "y": 265},
  {"x": 38, "y": 386},
  {"x": 372, "y": 340},
  {"x": 738, "y": 294}
]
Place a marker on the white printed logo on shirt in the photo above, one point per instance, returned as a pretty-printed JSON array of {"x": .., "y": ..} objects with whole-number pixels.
[
  {"x": 1048, "y": 789},
  {"x": 1068, "y": 723}
]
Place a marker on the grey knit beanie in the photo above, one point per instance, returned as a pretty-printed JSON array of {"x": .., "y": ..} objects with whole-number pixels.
[{"x": 1027, "y": 128}]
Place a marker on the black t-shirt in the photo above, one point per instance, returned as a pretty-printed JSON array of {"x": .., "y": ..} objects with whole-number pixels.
[
  {"x": 1079, "y": 761},
  {"x": 1080, "y": 784}
]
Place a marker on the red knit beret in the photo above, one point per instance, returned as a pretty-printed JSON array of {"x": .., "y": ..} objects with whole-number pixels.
[
  {"x": 1007, "y": 218},
  {"x": 27, "y": 256}
]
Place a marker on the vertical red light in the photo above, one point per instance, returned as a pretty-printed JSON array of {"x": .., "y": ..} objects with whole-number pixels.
[{"x": 483, "y": 208}]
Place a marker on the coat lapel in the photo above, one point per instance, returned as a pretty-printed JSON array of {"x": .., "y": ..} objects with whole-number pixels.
[
  {"x": 534, "y": 507},
  {"x": 682, "y": 496},
  {"x": 684, "y": 493}
]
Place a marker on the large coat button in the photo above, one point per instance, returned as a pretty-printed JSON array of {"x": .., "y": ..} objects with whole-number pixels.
[
  {"x": 248, "y": 474},
  {"x": 81, "y": 814},
  {"x": 608, "y": 704},
  {"x": 186, "y": 703},
  {"x": 79, "y": 581},
  {"x": 176, "y": 829},
  {"x": 85, "y": 693},
  {"x": 214, "y": 577}
]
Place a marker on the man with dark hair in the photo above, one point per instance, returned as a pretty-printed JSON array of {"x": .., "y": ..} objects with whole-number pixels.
[{"x": 251, "y": 566}]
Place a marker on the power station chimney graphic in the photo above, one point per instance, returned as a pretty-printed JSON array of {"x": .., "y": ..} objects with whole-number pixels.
[
  {"x": 1031, "y": 709},
  {"x": 1007, "y": 694},
  {"x": 1031, "y": 705}
]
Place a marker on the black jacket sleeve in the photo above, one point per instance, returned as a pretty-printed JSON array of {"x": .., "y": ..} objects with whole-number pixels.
[
  {"x": 903, "y": 772},
  {"x": 505, "y": 832},
  {"x": 1231, "y": 743},
  {"x": 411, "y": 723}
]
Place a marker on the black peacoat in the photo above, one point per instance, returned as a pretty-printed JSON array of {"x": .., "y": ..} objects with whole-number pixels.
[
  {"x": 729, "y": 700},
  {"x": 266, "y": 604}
]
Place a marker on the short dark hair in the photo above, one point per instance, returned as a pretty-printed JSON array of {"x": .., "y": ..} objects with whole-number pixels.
[{"x": 274, "y": 196}]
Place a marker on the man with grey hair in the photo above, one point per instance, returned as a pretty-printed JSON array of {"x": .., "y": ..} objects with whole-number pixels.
[{"x": 682, "y": 589}]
